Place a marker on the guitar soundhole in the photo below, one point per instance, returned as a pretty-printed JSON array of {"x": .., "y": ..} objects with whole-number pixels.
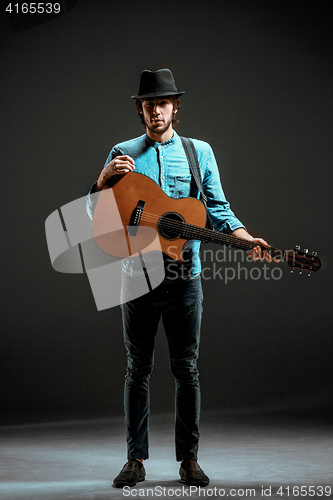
[{"x": 169, "y": 225}]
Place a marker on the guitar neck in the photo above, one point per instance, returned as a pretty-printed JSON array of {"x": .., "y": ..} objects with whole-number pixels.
[
  {"x": 295, "y": 258},
  {"x": 205, "y": 235}
]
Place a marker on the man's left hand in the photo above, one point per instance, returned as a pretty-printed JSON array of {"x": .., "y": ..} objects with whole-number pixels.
[{"x": 258, "y": 253}]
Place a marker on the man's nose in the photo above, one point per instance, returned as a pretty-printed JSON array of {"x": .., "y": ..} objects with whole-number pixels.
[{"x": 157, "y": 109}]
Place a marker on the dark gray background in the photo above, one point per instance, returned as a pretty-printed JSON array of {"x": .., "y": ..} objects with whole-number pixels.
[{"x": 258, "y": 82}]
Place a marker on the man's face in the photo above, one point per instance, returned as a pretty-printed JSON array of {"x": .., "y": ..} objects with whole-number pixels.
[{"x": 157, "y": 114}]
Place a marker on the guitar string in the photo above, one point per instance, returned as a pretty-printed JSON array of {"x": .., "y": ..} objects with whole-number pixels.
[
  {"x": 190, "y": 228},
  {"x": 190, "y": 231},
  {"x": 204, "y": 234},
  {"x": 220, "y": 238},
  {"x": 200, "y": 233}
]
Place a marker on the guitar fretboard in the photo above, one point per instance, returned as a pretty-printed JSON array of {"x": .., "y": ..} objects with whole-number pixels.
[{"x": 192, "y": 232}]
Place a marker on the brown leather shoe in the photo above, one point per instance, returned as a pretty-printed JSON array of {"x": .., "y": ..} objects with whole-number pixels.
[
  {"x": 192, "y": 474},
  {"x": 132, "y": 473}
]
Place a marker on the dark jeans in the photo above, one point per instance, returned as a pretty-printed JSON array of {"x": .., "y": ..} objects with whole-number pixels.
[{"x": 180, "y": 304}]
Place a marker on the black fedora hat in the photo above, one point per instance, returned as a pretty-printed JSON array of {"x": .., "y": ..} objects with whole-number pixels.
[{"x": 156, "y": 84}]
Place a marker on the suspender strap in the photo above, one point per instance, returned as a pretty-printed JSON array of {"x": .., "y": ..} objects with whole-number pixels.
[{"x": 192, "y": 159}]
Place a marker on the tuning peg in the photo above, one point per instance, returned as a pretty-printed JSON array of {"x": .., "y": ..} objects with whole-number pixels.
[
  {"x": 314, "y": 253},
  {"x": 297, "y": 247},
  {"x": 306, "y": 250},
  {"x": 292, "y": 270},
  {"x": 301, "y": 271},
  {"x": 309, "y": 274}
]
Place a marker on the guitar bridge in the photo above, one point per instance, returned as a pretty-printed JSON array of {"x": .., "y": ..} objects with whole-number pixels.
[{"x": 136, "y": 218}]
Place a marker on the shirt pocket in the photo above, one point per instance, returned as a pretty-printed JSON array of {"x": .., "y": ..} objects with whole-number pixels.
[{"x": 182, "y": 186}]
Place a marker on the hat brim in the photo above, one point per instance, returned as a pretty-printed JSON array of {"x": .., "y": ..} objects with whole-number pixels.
[{"x": 159, "y": 93}]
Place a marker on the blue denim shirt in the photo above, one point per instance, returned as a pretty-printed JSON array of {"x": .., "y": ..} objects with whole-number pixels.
[{"x": 167, "y": 165}]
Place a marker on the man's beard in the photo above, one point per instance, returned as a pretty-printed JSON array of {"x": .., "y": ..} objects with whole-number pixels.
[{"x": 162, "y": 130}]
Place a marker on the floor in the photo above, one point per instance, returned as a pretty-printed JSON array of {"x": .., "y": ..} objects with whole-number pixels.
[{"x": 245, "y": 455}]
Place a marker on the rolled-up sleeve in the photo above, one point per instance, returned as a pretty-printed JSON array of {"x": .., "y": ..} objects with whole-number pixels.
[{"x": 222, "y": 217}]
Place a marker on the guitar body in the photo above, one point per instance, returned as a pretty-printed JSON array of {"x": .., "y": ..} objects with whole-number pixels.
[{"x": 134, "y": 215}]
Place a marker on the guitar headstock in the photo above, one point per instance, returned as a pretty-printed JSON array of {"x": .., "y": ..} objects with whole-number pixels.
[{"x": 302, "y": 260}]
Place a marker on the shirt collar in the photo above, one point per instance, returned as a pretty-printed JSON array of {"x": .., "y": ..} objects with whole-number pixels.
[{"x": 155, "y": 144}]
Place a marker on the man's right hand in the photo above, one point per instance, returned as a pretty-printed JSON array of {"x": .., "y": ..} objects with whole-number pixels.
[{"x": 119, "y": 165}]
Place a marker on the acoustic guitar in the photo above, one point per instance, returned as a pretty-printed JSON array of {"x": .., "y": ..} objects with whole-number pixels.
[{"x": 133, "y": 215}]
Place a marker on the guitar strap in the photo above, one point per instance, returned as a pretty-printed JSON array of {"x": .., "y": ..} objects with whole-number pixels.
[{"x": 196, "y": 186}]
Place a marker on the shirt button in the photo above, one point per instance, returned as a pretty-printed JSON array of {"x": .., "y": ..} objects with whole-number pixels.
[{"x": 163, "y": 177}]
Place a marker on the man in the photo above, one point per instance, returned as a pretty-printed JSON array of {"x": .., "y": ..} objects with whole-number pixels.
[{"x": 159, "y": 154}]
